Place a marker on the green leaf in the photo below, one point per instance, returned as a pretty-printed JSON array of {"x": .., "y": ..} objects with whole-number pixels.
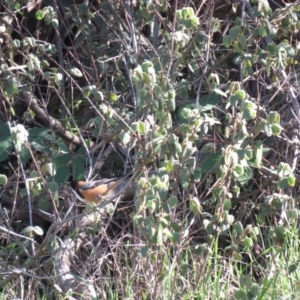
[
  {"x": 17, "y": 43},
  {"x": 283, "y": 183},
  {"x": 250, "y": 112},
  {"x": 227, "y": 205},
  {"x": 197, "y": 174},
  {"x": 284, "y": 169},
  {"x": 143, "y": 94},
  {"x": 276, "y": 129},
  {"x": 158, "y": 91},
  {"x": 146, "y": 65},
  {"x": 234, "y": 100},
  {"x": 37, "y": 230},
  {"x": 215, "y": 25},
  {"x": 138, "y": 71},
  {"x": 240, "y": 295},
  {"x": 242, "y": 41},
  {"x": 173, "y": 138},
  {"x": 53, "y": 188},
  {"x": 157, "y": 149},
  {"x": 291, "y": 180},
  {"x": 113, "y": 97},
  {"x": 49, "y": 169},
  {"x": 173, "y": 201},
  {"x": 238, "y": 227},
  {"x": 54, "y": 23},
  {"x": 293, "y": 267},
  {"x": 171, "y": 104},
  {"x": 3, "y": 179},
  {"x": 262, "y": 31},
  {"x": 134, "y": 126},
  {"x": 63, "y": 160},
  {"x": 165, "y": 207},
  {"x": 290, "y": 52},
  {"x": 177, "y": 147},
  {"x": 258, "y": 153},
  {"x": 241, "y": 94},
  {"x": 212, "y": 161},
  {"x": 124, "y": 137},
  {"x": 273, "y": 117},
  {"x": 39, "y": 15},
  {"x": 239, "y": 170},
  {"x": 84, "y": 8},
  {"x": 179, "y": 14},
  {"x": 25, "y": 156},
  {"x": 194, "y": 21},
  {"x": 272, "y": 48},
  {"x": 234, "y": 32},
  {"x": 191, "y": 12},
  {"x": 267, "y": 129},
  {"x": 144, "y": 251},
  {"x": 248, "y": 242},
  {"x": 195, "y": 206},
  {"x": 246, "y": 176},
  {"x": 220, "y": 92},
  {"x": 227, "y": 41},
  {"x": 136, "y": 80},
  {"x": 78, "y": 168},
  {"x": 185, "y": 12},
  {"x": 176, "y": 226},
  {"x": 98, "y": 95},
  {"x": 39, "y": 133},
  {"x": 208, "y": 102},
  {"x": 29, "y": 41},
  {"x": 75, "y": 72},
  {"x": 146, "y": 78},
  {"x": 194, "y": 67},
  {"x": 247, "y": 68},
  {"x": 280, "y": 232},
  {"x": 141, "y": 127},
  {"x": 175, "y": 237},
  {"x": 151, "y": 204},
  {"x": 63, "y": 173},
  {"x": 162, "y": 190}
]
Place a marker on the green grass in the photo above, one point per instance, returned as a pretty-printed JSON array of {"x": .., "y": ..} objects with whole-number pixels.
[{"x": 171, "y": 272}]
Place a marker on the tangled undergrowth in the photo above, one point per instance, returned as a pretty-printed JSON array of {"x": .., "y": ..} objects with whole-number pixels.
[{"x": 198, "y": 101}]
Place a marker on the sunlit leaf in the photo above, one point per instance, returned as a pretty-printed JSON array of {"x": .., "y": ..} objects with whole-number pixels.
[{"x": 75, "y": 72}]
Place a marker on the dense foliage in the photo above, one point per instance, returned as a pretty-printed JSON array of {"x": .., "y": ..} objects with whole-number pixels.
[{"x": 198, "y": 100}]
